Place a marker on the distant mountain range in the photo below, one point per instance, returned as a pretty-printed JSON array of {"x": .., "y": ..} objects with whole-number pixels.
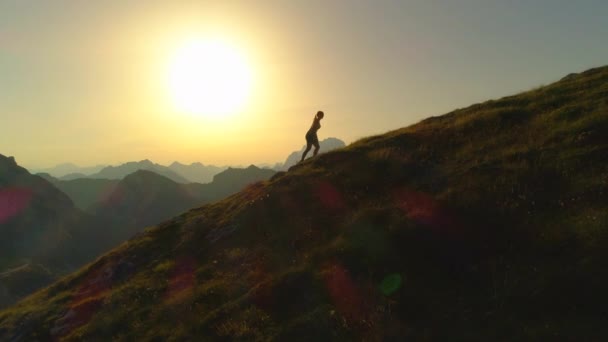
[
  {"x": 65, "y": 169},
  {"x": 176, "y": 171},
  {"x": 196, "y": 172},
  {"x": 121, "y": 171}
]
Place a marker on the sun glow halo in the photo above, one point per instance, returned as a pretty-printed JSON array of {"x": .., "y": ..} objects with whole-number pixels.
[{"x": 209, "y": 77}]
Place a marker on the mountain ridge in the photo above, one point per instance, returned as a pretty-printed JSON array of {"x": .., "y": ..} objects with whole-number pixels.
[
  {"x": 41, "y": 229},
  {"x": 121, "y": 171},
  {"x": 65, "y": 169},
  {"x": 196, "y": 172}
]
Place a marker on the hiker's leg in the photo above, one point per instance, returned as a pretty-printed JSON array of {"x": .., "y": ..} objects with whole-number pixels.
[
  {"x": 305, "y": 151},
  {"x": 316, "y": 143}
]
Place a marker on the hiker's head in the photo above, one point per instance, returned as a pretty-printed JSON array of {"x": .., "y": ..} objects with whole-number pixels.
[{"x": 320, "y": 114}]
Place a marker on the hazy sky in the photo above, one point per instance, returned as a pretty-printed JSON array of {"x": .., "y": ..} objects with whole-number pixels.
[{"x": 85, "y": 81}]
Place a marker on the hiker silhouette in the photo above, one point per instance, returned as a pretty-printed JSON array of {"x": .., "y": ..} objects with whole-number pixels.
[{"x": 311, "y": 135}]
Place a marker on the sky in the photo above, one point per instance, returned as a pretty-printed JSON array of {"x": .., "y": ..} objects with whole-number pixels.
[{"x": 86, "y": 81}]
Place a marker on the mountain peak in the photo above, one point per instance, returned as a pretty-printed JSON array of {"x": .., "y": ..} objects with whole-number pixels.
[
  {"x": 7, "y": 160},
  {"x": 8, "y": 166},
  {"x": 145, "y": 174},
  {"x": 121, "y": 171}
]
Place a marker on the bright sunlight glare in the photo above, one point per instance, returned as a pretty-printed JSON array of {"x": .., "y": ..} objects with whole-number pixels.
[{"x": 209, "y": 77}]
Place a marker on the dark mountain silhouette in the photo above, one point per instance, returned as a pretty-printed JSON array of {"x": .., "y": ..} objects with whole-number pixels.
[
  {"x": 39, "y": 225},
  {"x": 196, "y": 172},
  {"x": 121, "y": 171},
  {"x": 47, "y": 176},
  {"x": 144, "y": 198},
  {"x": 34, "y": 215},
  {"x": 487, "y": 223},
  {"x": 325, "y": 146}
]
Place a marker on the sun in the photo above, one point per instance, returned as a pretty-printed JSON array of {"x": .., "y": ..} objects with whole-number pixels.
[{"x": 209, "y": 77}]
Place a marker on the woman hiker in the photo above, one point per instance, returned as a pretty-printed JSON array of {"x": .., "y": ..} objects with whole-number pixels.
[{"x": 311, "y": 135}]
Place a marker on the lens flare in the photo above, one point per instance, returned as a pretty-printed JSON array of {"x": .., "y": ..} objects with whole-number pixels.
[{"x": 209, "y": 77}]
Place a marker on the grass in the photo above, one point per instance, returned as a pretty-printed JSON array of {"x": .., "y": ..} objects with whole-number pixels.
[{"x": 493, "y": 217}]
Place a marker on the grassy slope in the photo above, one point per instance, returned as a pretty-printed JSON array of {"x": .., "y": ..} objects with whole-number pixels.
[
  {"x": 20, "y": 281},
  {"x": 493, "y": 217}
]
